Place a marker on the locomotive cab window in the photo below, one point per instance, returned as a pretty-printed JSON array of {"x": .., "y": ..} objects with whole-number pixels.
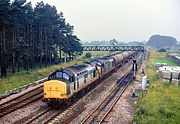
[
  {"x": 65, "y": 76},
  {"x": 99, "y": 64},
  {"x": 58, "y": 74}
]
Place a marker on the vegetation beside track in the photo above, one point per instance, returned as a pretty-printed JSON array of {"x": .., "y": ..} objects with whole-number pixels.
[
  {"x": 162, "y": 59},
  {"x": 160, "y": 104},
  {"x": 24, "y": 77}
]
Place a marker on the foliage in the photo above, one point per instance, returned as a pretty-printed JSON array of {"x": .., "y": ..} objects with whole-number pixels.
[
  {"x": 160, "y": 104},
  {"x": 161, "y": 41},
  {"x": 162, "y": 50},
  {"x": 88, "y": 55},
  {"x": 33, "y": 37}
]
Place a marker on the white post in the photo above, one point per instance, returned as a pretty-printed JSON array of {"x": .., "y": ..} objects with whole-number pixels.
[{"x": 144, "y": 82}]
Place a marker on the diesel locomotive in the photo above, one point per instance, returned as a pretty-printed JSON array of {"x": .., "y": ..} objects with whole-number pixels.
[{"x": 65, "y": 83}]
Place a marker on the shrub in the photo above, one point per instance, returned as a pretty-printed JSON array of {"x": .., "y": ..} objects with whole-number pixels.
[
  {"x": 162, "y": 50},
  {"x": 88, "y": 55}
]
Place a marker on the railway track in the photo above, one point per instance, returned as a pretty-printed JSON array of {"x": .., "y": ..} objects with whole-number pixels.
[
  {"x": 35, "y": 118},
  {"x": 65, "y": 115},
  {"x": 49, "y": 115},
  {"x": 100, "y": 112},
  {"x": 21, "y": 101}
]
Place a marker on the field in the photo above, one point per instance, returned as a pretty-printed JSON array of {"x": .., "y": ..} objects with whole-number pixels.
[
  {"x": 22, "y": 78},
  {"x": 165, "y": 60},
  {"x": 161, "y": 103}
]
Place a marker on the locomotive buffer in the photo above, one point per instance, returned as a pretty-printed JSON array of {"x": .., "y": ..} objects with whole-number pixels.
[{"x": 134, "y": 68}]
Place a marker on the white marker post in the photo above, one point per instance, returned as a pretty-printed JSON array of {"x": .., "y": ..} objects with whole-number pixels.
[{"x": 134, "y": 76}]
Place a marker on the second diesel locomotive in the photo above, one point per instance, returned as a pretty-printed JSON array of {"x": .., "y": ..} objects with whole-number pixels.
[{"x": 65, "y": 83}]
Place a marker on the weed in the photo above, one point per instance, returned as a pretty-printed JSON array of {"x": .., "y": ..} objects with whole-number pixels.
[
  {"x": 142, "y": 111},
  {"x": 160, "y": 105}
]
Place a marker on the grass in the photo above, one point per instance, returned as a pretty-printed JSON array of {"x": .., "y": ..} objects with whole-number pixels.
[
  {"x": 159, "y": 57},
  {"x": 161, "y": 103},
  {"x": 165, "y": 60},
  {"x": 23, "y": 77}
]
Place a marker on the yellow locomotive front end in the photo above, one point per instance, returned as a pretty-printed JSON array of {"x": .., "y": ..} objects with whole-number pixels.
[{"x": 55, "y": 89}]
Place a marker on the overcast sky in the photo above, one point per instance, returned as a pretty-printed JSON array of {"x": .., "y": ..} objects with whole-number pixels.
[{"x": 125, "y": 20}]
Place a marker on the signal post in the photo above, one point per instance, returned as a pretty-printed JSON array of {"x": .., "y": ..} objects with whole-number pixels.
[{"x": 134, "y": 68}]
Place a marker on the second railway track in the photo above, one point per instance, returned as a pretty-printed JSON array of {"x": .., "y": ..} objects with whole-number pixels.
[
  {"x": 20, "y": 101},
  {"x": 99, "y": 113},
  {"x": 63, "y": 115}
]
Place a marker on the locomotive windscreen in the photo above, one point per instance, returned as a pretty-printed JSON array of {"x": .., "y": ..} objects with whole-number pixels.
[{"x": 59, "y": 74}]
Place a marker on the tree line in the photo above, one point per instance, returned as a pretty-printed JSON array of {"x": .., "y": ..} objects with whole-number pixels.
[
  {"x": 33, "y": 37},
  {"x": 160, "y": 41}
]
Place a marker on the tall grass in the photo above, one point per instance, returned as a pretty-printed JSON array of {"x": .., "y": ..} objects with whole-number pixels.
[{"x": 161, "y": 103}]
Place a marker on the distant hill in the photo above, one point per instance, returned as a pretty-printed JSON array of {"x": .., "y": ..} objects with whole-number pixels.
[{"x": 161, "y": 41}]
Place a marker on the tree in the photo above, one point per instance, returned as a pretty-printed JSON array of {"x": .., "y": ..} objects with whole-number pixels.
[
  {"x": 4, "y": 12},
  {"x": 161, "y": 41},
  {"x": 31, "y": 37},
  {"x": 88, "y": 55}
]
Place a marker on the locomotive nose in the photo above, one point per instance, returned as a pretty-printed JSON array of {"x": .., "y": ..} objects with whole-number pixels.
[{"x": 55, "y": 89}]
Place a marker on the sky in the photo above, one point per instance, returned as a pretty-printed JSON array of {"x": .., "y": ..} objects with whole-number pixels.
[{"x": 124, "y": 20}]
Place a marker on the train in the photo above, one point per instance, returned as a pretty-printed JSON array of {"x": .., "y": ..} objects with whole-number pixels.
[{"x": 64, "y": 84}]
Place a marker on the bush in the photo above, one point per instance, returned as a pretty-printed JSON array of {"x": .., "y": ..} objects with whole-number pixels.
[
  {"x": 88, "y": 55},
  {"x": 162, "y": 50}
]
